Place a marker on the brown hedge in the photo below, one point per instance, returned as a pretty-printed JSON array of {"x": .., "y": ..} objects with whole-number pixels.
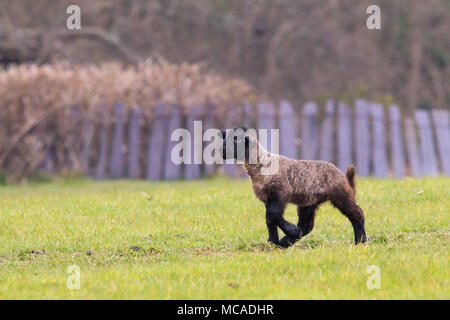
[{"x": 37, "y": 104}]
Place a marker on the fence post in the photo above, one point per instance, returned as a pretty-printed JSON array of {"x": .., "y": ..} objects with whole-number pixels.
[
  {"x": 344, "y": 137},
  {"x": 209, "y": 123},
  {"x": 379, "y": 159},
  {"x": 362, "y": 138},
  {"x": 116, "y": 165},
  {"x": 88, "y": 131},
  {"x": 247, "y": 115},
  {"x": 100, "y": 171},
  {"x": 288, "y": 130},
  {"x": 172, "y": 171},
  {"x": 74, "y": 140},
  {"x": 266, "y": 120},
  {"x": 411, "y": 147},
  {"x": 157, "y": 143},
  {"x": 134, "y": 143},
  {"x": 441, "y": 125},
  {"x": 398, "y": 157},
  {"x": 310, "y": 132},
  {"x": 326, "y": 136},
  {"x": 49, "y": 161},
  {"x": 429, "y": 162},
  {"x": 193, "y": 170},
  {"x": 229, "y": 166}
]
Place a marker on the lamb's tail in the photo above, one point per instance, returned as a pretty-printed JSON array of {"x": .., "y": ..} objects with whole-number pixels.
[{"x": 350, "y": 174}]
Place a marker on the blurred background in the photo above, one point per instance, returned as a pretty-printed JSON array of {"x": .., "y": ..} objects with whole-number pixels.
[
  {"x": 223, "y": 52},
  {"x": 299, "y": 50}
]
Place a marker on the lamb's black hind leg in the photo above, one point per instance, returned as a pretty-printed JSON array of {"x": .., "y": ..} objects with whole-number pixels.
[
  {"x": 306, "y": 216},
  {"x": 354, "y": 213},
  {"x": 356, "y": 217}
]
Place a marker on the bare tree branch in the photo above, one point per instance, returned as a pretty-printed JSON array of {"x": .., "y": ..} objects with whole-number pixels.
[{"x": 126, "y": 54}]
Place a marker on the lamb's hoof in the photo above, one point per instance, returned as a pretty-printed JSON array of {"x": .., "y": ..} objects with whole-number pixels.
[
  {"x": 362, "y": 240},
  {"x": 286, "y": 242}
]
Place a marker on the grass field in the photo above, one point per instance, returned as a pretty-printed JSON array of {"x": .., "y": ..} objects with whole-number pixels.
[{"x": 207, "y": 239}]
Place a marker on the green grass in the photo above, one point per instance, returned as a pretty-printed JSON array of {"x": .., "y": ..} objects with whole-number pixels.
[{"x": 207, "y": 239}]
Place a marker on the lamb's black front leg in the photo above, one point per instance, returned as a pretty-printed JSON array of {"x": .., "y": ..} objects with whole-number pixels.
[
  {"x": 274, "y": 212},
  {"x": 273, "y": 231},
  {"x": 274, "y": 219}
]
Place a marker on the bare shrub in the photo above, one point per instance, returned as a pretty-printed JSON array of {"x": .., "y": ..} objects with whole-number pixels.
[{"x": 44, "y": 109}]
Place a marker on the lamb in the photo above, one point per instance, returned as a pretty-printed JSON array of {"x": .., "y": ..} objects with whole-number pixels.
[{"x": 305, "y": 183}]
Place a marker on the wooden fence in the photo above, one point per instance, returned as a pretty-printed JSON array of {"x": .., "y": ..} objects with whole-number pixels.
[{"x": 376, "y": 139}]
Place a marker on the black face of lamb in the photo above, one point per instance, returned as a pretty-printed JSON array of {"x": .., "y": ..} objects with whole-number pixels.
[{"x": 235, "y": 144}]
